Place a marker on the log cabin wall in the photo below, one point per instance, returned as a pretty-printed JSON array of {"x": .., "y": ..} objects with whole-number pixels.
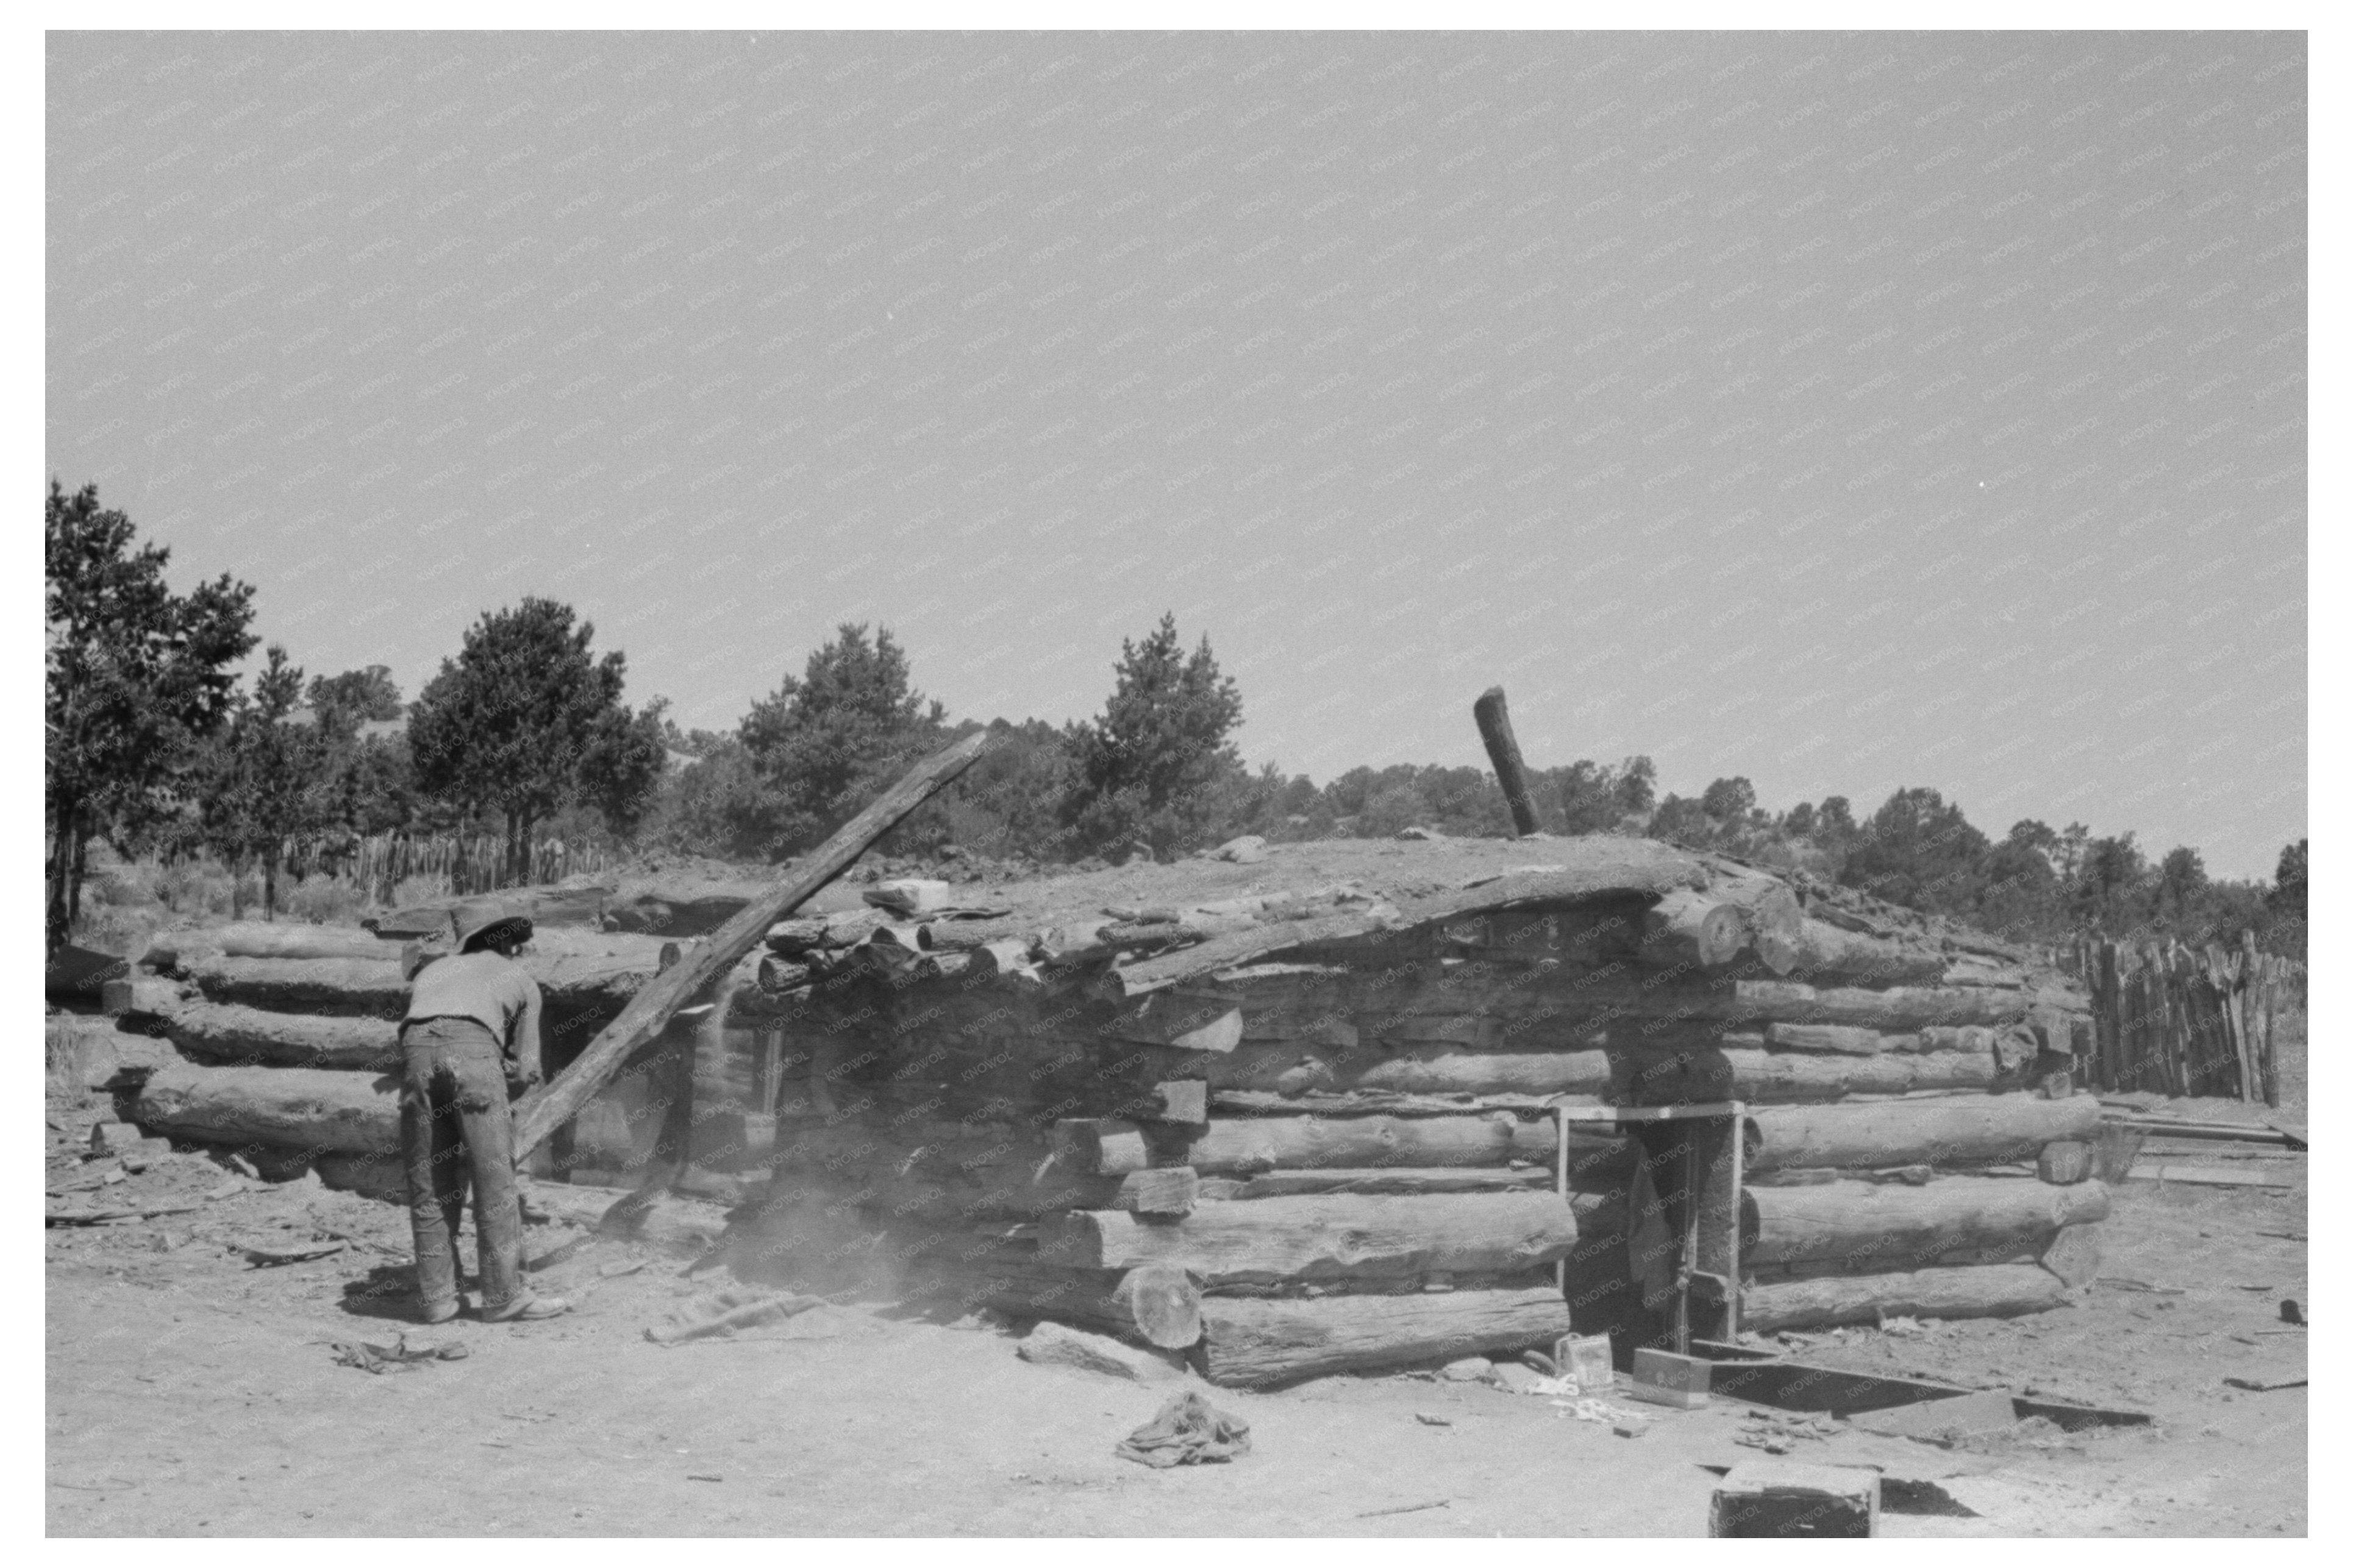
[{"x": 1304, "y": 1129}]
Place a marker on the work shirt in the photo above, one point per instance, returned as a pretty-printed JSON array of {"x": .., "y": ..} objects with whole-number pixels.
[{"x": 491, "y": 990}]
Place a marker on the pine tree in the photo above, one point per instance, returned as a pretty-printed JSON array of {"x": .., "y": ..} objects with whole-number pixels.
[{"x": 1157, "y": 768}]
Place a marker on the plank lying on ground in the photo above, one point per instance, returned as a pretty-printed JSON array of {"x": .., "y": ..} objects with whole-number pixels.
[
  {"x": 1882, "y": 1134},
  {"x": 649, "y": 1010},
  {"x": 1856, "y": 1224},
  {"x": 1995, "y": 1290},
  {"x": 1255, "y": 1344},
  {"x": 2209, "y": 1132},
  {"x": 1281, "y": 1239}
]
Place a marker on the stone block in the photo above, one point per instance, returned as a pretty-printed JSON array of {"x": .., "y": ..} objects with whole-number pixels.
[{"x": 1775, "y": 1499}]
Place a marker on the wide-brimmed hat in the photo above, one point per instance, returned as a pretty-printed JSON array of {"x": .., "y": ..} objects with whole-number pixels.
[{"x": 477, "y": 918}]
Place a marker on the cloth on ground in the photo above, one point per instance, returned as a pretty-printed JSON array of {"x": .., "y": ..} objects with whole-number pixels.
[
  {"x": 399, "y": 1356},
  {"x": 1189, "y": 1430}
]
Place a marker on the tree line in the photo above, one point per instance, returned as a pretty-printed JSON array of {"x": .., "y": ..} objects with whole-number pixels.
[{"x": 154, "y": 746}]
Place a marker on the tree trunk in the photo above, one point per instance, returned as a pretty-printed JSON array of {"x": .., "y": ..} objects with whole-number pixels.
[
  {"x": 1878, "y": 1134},
  {"x": 59, "y": 915},
  {"x": 269, "y": 882},
  {"x": 1276, "y": 1240},
  {"x": 1859, "y": 1225},
  {"x": 80, "y": 871},
  {"x": 1996, "y": 1290},
  {"x": 1261, "y": 1343}
]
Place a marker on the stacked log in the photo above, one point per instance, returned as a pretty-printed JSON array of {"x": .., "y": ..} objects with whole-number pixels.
[{"x": 285, "y": 1044}]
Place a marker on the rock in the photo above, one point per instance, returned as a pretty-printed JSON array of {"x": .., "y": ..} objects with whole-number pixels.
[
  {"x": 910, "y": 895},
  {"x": 115, "y": 1138},
  {"x": 1419, "y": 833},
  {"x": 1632, "y": 1427},
  {"x": 1246, "y": 850},
  {"x": 1470, "y": 1369},
  {"x": 1053, "y": 1344}
]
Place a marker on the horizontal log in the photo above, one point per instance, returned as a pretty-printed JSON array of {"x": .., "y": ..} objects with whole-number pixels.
[
  {"x": 257, "y": 939},
  {"x": 1604, "y": 996},
  {"x": 1246, "y": 1145},
  {"x": 226, "y": 1036},
  {"x": 1957, "y": 1132},
  {"x": 1310, "y": 1238},
  {"x": 1858, "y": 1226},
  {"x": 1828, "y": 955},
  {"x": 1999, "y": 1290},
  {"x": 1691, "y": 929},
  {"x": 290, "y": 1108},
  {"x": 361, "y": 987},
  {"x": 1761, "y": 1077},
  {"x": 1263, "y": 1343},
  {"x": 1309, "y": 1183},
  {"x": 1840, "y": 1039},
  {"x": 1154, "y": 1305}
]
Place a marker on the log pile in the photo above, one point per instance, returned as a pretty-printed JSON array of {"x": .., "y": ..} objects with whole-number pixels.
[{"x": 284, "y": 1045}]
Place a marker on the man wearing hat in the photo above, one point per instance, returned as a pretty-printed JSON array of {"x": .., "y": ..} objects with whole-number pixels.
[{"x": 470, "y": 1043}]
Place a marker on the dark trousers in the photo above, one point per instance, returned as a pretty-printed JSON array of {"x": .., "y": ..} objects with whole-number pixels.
[{"x": 454, "y": 1124}]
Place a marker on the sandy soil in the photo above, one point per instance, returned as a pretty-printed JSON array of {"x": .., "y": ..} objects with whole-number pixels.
[{"x": 191, "y": 1394}]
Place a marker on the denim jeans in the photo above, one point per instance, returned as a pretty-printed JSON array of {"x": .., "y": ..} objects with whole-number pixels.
[{"x": 454, "y": 1124}]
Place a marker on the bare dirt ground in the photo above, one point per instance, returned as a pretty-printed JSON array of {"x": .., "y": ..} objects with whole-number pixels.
[{"x": 191, "y": 1394}]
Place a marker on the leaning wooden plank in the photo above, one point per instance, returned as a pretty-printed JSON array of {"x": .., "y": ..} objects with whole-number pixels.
[
  {"x": 1283, "y": 1239},
  {"x": 290, "y": 1107},
  {"x": 1994, "y": 1290},
  {"x": 649, "y": 1010},
  {"x": 227, "y": 1036},
  {"x": 1253, "y": 1344},
  {"x": 1861, "y": 1225},
  {"x": 1874, "y": 1135}
]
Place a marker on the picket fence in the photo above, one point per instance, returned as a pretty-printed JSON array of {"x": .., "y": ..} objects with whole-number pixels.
[{"x": 2178, "y": 1020}]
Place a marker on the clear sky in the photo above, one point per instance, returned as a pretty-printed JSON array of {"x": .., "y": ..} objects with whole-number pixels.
[{"x": 1847, "y": 411}]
